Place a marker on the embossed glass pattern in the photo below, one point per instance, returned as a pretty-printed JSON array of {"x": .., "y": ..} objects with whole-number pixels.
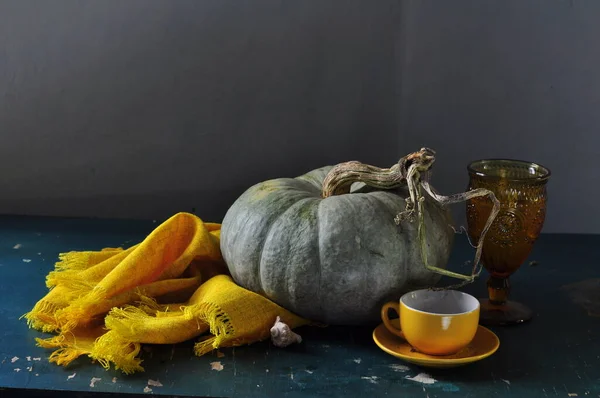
[{"x": 520, "y": 187}]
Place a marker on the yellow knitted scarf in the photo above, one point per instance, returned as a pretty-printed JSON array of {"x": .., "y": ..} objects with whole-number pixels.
[{"x": 171, "y": 287}]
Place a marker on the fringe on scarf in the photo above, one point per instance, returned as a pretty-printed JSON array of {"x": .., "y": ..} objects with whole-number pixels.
[
  {"x": 132, "y": 326},
  {"x": 113, "y": 348},
  {"x": 220, "y": 327}
]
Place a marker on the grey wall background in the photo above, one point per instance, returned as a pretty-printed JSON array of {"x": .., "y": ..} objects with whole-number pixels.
[
  {"x": 142, "y": 108},
  {"x": 516, "y": 78}
]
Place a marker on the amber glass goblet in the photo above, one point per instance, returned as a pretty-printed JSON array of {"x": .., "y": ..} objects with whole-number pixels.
[{"x": 520, "y": 187}]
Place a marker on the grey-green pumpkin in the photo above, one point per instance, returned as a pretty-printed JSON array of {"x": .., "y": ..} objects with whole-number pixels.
[{"x": 334, "y": 260}]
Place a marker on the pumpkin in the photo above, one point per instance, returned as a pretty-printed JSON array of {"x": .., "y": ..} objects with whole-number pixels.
[{"x": 334, "y": 259}]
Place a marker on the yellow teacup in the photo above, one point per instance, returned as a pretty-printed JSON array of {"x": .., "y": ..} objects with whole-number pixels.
[{"x": 434, "y": 322}]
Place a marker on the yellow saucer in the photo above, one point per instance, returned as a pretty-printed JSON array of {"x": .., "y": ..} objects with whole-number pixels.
[{"x": 484, "y": 344}]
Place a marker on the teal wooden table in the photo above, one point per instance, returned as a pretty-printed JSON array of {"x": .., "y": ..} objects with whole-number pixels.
[{"x": 557, "y": 354}]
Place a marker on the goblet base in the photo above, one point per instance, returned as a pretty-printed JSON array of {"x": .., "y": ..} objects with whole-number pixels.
[{"x": 509, "y": 313}]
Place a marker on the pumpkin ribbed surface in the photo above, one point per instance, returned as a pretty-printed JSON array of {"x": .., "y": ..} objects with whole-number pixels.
[{"x": 334, "y": 260}]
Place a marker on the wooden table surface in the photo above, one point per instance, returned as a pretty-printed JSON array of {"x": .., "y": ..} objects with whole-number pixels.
[{"x": 557, "y": 354}]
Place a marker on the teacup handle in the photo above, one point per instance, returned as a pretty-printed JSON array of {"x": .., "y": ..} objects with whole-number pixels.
[{"x": 392, "y": 305}]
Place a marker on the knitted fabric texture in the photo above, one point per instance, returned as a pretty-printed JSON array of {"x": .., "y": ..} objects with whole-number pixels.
[{"x": 170, "y": 288}]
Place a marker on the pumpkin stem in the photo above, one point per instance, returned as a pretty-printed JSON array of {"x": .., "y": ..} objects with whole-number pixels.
[
  {"x": 339, "y": 180},
  {"x": 341, "y": 177}
]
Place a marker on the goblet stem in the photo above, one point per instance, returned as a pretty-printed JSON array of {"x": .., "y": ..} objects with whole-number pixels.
[
  {"x": 498, "y": 290},
  {"x": 498, "y": 309}
]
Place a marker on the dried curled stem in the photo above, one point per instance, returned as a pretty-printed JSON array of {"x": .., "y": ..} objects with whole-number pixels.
[
  {"x": 342, "y": 176},
  {"x": 463, "y": 197},
  {"x": 408, "y": 171}
]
